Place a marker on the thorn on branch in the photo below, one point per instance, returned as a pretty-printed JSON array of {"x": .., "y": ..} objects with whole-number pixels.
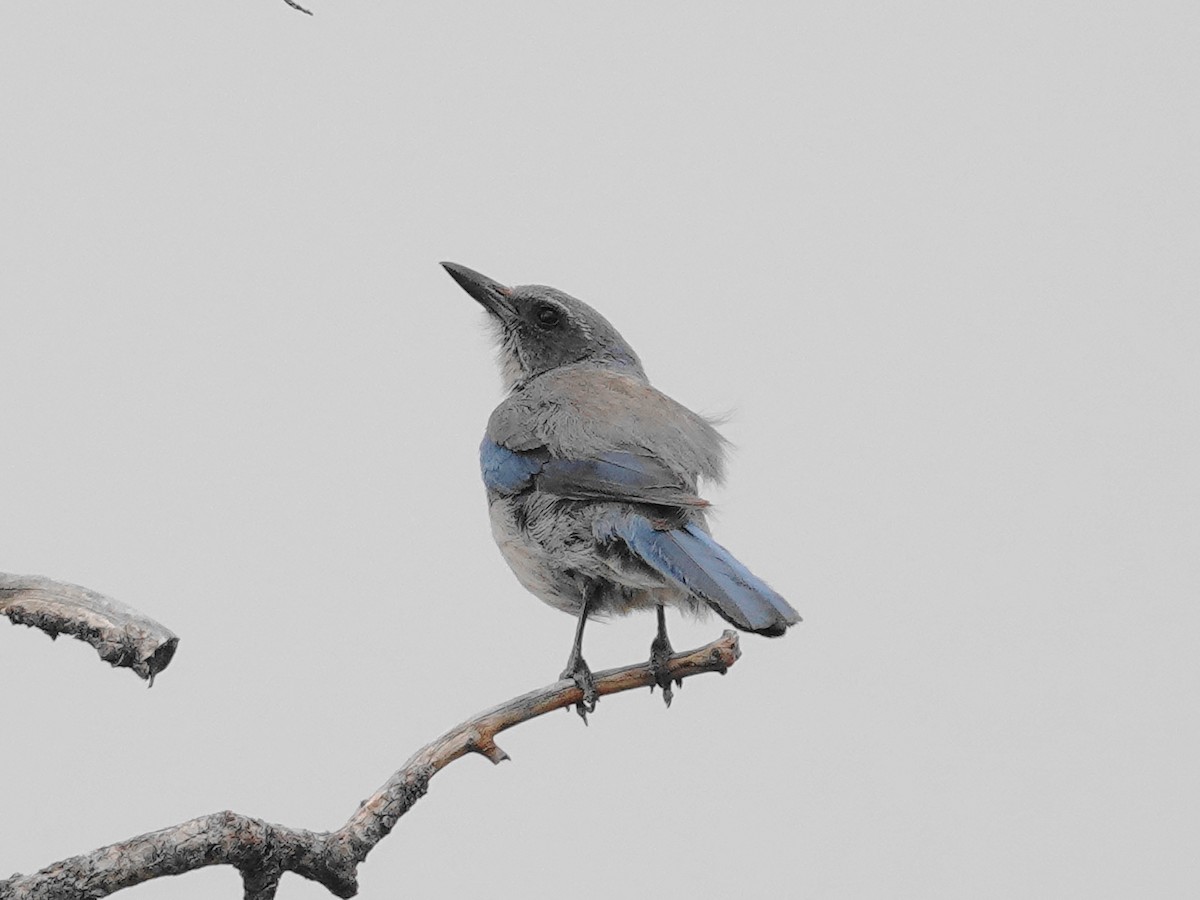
[{"x": 480, "y": 743}]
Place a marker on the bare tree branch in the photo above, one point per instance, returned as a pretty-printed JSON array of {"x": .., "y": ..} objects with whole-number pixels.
[
  {"x": 121, "y": 635},
  {"x": 262, "y": 852},
  {"x": 295, "y": 5}
]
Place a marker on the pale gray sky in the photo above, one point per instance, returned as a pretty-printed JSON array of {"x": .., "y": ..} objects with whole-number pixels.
[{"x": 940, "y": 263}]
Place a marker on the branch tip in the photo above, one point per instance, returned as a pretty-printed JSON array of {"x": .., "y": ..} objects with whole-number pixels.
[{"x": 121, "y": 635}]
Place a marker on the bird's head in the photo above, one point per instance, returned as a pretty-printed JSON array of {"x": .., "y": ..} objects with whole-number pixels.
[{"x": 539, "y": 328}]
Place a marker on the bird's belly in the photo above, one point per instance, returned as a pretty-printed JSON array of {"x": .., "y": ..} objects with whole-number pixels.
[
  {"x": 544, "y": 573},
  {"x": 553, "y": 553}
]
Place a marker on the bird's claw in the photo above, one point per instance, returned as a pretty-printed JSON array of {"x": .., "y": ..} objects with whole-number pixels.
[
  {"x": 660, "y": 660},
  {"x": 577, "y": 671}
]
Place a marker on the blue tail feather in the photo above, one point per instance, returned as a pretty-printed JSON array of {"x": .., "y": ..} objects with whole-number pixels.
[{"x": 693, "y": 560}]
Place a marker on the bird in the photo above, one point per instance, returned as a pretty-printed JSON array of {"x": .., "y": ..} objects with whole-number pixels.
[{"x": 592, "y": 475}]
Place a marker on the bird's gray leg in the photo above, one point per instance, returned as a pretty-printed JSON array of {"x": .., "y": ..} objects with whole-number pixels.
[
  {"x": 577, "y": 670},
  {"x": 660, "y": 655}
]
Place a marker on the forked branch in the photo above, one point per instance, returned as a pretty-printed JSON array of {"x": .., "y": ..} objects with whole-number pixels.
[{"x": 262, "y": 851}]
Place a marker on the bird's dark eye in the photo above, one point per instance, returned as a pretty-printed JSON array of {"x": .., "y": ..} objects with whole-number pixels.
[{"x": 548, "y": 316}]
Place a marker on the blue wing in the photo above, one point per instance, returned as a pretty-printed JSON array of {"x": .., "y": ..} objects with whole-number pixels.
[
  {"x": 693, "y": 560},
  {"x": 617, "y": 475},
  {"x": 614, "y": 475},
  {"x": 507, "y": 471}
]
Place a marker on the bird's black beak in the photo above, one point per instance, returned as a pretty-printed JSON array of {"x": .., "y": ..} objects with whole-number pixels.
[{"x": 492, "y": 295}]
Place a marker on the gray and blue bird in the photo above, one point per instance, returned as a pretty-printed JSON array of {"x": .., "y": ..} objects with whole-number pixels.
[{"x": 592, "y": 478}]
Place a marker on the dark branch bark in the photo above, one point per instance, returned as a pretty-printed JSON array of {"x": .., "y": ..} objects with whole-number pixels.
[
  {"x": 262, "y": 852},
  {"x": 121, "y": 635},
  {"x": 295, "y": 5}
]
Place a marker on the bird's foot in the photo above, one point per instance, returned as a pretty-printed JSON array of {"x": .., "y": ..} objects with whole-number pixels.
[
  {"x": 577, "y": 671},
  {"x": 660, "y": 659}
]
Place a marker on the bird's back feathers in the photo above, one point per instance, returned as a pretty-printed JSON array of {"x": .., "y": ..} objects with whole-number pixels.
[{"x": 580, "y": 411}]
